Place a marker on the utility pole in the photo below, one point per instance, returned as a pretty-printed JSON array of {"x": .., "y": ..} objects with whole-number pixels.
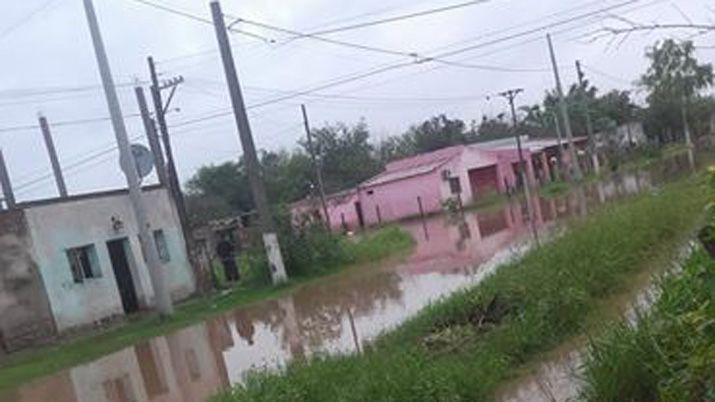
[
  {"x": 161, "y": 110},
  {"x": 151, "y": 135},
  {"x": 54, "y": 161},
  {"x": 510, "y": 95},
  {"x": 318, "y": 165},
  {"x": 8, "y": 195},
  {"x": 564, "y": 113},
  {"x": 146, "y": 237},
  {"x": 589, "y": 123},
  {"x": 559, "y": 141},
  {"x": 270, "y": 238}
]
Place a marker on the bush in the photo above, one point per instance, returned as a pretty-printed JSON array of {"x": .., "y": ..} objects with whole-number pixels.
[{"x": 669, "y": 355}]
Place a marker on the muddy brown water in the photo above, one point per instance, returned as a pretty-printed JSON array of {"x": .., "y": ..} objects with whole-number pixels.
[{"x": 331, "y": 316}]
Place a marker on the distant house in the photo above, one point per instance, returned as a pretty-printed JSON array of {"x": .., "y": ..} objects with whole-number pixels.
[
  {"x": 76, "y": 261},
  {"x": 423, "y": 183}
]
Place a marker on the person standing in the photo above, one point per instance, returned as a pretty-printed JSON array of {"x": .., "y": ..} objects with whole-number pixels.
[{"x": 227, "y": 253}]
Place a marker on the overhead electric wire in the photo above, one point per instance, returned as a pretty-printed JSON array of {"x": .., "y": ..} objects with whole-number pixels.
[
  {"x": 32, "y": 14},
  {"x": 199, "y": 19},
  {"x": 64, "y": 123},
  {"x": 417, "y": 58},
  {"x": 30, "y": 92},
  {"x": 397, "y": 18}
]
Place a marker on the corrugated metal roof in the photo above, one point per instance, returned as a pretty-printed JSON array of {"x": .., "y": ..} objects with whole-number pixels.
[{"x": 415, "y": 165}]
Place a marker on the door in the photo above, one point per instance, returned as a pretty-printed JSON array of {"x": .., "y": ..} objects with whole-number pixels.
[
  {"x": 123, "y": 274},
  {"x": 484, "y": 181}
]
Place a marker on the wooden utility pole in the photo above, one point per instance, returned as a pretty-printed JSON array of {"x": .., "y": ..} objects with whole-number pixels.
[
  {"x": 7, "y": 193},
  {"x": 510, "y": 95},
  {"x": 253, "y": 168},
  {"x": 318, "y": 166},
  {"x": 146, "y": 237},
  {"x": 589, "y": 123},
  {"x": 54, "y": 161},
  {"x": 160, "y": 110},
  {"x": 151, "y": 135},
  {"x": 565, "y": 114}
]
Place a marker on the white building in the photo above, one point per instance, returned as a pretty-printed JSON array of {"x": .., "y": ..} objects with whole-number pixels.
[{"x": 78, "y": 261}]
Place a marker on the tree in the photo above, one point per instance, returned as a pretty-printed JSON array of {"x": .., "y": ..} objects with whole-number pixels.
[
  {"x": 348, "y": 158},
  {"x": 436, "y": 133},
  {"x": 493, "y": 129},
  {"x": 227, "y": 181},
  {"x": 672, "y": 80}
]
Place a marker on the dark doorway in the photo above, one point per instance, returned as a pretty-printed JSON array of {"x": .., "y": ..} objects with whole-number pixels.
[
  {"x": 122, "y": 273},
  {"x": 358, "y": 211}
]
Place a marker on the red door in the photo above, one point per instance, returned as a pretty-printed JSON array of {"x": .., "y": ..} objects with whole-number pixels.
[{"x": 484, "y": 181}]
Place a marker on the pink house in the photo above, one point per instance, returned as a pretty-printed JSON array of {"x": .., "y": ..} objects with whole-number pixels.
[{"x": 423, "y": 183}]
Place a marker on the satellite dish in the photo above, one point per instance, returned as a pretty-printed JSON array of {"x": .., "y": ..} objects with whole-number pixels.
[{"x": 143, "y": 158}]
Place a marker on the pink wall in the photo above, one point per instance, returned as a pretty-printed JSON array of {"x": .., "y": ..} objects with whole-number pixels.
[{"x": 398, "y": 199}]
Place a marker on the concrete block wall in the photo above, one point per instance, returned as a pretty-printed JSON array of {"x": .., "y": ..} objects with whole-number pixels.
[{"x": 25, "y": 317}]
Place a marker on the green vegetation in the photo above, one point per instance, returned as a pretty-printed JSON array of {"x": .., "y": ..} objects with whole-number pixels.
[
  {"x": 555, "y": 189},
  {"x": 26, "y": 365},
  {"x": 669, "y": 355},
  {"x": 462, "y": 348}
]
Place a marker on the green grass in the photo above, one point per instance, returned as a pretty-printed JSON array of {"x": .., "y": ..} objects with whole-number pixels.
[
  {"x": 555, "y": 189},
  {"x": 464, "y": 347},
  {"x": 670, "y": 354},
  {"x": 29, "y": 364}
]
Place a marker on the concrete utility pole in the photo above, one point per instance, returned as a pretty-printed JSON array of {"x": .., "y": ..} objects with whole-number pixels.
[
  {"x": 151, "y": 135},
  {"x": 54, "y": 161},
  {"x": 7, "y": 193},
  {"x": 686, "y": 125},
  {"x": 270, "y": 238},
  {"x": 589, "y": 123},
  {"x": 318, "y": 165},
  {"x": 510, "y": 95},
  {"x": 146, "y": 237},
  {"x": 565, "y": 114},
  {"x": 160, "y": 110}
]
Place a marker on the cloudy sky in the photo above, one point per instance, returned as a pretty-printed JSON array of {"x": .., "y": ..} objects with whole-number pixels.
[{"x": 48, "y": 67}]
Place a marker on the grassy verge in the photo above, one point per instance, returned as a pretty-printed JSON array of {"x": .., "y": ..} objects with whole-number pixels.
[
  {"x": 669, "y": 355},
  {"x": 462, "y": 348},
  {"x": 27, "y": 365}
]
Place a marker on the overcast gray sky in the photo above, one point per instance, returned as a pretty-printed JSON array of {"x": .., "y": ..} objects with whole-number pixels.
[{"x": 45, "y": 46}]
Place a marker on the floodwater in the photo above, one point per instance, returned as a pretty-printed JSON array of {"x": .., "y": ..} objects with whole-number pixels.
[{"x": 331, "y": 316}]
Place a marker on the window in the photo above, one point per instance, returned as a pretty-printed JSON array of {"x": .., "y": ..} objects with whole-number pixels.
[
  {"x": 455, "y": 186},
  {"x": 161, "y": 246},
  {"x": 83, "y": 263}
]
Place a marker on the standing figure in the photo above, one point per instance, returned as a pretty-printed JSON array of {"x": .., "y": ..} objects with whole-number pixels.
[{"x": 227, "y": 253}]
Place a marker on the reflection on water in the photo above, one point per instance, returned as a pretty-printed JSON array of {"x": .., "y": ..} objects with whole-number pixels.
[{"x": 330, "y": 316}]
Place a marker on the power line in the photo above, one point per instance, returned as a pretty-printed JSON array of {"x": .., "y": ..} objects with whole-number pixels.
[
  {"x": 7, "y": 31},
  {"x": 199, "y": 19},
  {"x": 30, "y": 92},
  {"x": 65, "y": 123},
  {"x": 386, "y": 68},
  {"x": 417, "y": 58},
  {"x": 607, "y": 75},
  {"x": 397, "y": 18}
]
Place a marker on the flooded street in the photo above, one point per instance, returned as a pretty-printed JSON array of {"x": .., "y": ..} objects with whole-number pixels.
[{"x": 336, "y": 315}]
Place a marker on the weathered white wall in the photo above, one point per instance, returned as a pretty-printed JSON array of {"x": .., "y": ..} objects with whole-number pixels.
[{"x": 55, "y": 227}]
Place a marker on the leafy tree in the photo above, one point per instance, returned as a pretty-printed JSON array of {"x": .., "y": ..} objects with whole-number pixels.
[
  {"x": 674, "y": 78},
  {"x": 437, "y": 133},
  {"x": 493, "y": 129},
  {"x": 227, "y": 181},
  {"x": 347, "y": 156}
]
